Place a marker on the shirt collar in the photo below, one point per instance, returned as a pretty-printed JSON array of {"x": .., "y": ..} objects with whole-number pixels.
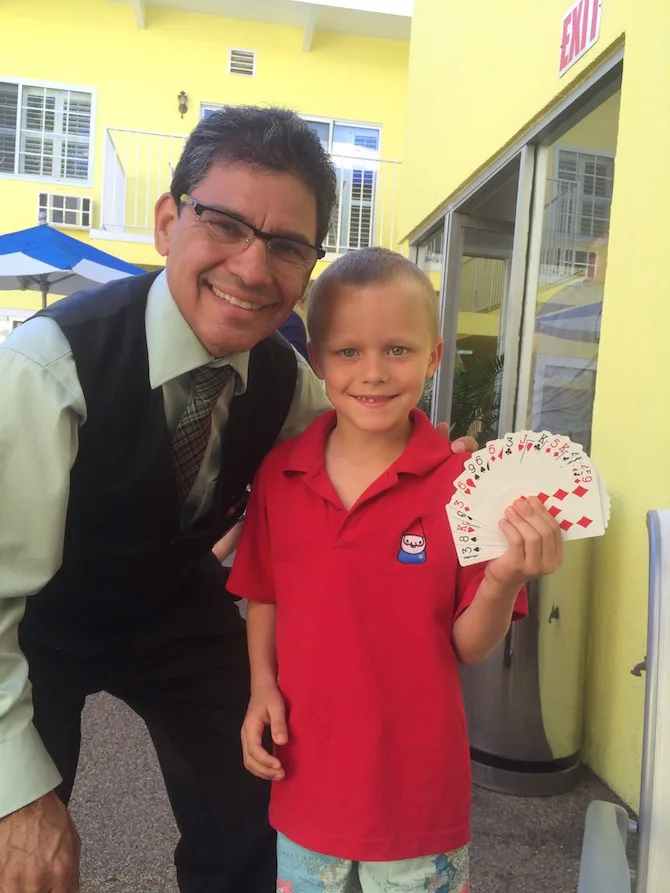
[
  {"x": 172, "y": 345},
  {"x": 426, "y": 449}
]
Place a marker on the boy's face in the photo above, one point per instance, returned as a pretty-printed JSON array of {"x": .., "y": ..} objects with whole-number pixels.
[{"x": 376, "y": 353}]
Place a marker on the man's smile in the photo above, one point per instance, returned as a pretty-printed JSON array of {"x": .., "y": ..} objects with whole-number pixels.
[{"x": 237, "y": 302}]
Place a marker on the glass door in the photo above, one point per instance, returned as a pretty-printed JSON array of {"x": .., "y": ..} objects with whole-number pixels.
[{"x": 481, "y": 304}]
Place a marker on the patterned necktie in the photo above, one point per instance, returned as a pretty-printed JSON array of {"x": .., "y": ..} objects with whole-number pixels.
[{"x": 190, "y": 439}]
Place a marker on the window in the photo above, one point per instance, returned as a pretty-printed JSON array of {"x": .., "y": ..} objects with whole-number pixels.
[
  {"x": 8, "y": 322},
  {"x": 322, "y": 129},
  {"x": 208, "y": 108},
  {"x": 588, "y": 216},
  {"x": 355, "y": 152},
  {"x": 44, "y": 132}
]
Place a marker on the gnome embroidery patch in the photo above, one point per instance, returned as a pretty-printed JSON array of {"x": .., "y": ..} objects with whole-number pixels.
[{"x": 413, "y": 544}]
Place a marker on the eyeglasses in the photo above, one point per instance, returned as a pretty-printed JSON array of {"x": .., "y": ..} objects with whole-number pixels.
[{"x": 237, "y": 236}]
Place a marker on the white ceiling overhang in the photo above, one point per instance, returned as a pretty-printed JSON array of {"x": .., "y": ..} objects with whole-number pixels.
[{"x": 387, "y": 19}]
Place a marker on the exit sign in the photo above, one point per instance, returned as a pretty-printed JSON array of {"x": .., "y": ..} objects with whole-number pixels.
[{"x": 580, "y": 30}]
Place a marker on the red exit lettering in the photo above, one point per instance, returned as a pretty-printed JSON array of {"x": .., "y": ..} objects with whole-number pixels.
[{"x": 580, "y": 30}]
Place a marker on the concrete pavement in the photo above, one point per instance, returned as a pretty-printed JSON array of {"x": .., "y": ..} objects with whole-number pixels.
[{"x": 121, "y": 810}]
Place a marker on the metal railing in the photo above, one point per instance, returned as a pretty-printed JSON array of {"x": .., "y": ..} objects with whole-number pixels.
[
  {"x": 138, "y": 168},
  {"x": 365, "y": 210}
]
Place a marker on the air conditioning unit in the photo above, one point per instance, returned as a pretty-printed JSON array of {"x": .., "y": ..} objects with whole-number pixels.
[
  {"x": 71, "y": 211},
  {"x": 242, "y": 62}
]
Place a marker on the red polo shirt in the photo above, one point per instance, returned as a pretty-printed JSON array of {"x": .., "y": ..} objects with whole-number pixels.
[{"x": 377, "y": 763}]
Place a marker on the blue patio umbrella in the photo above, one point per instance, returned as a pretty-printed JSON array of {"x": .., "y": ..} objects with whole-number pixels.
[
  {"x": 574, "y": 313},
  {"x": 46, "y": 260}
]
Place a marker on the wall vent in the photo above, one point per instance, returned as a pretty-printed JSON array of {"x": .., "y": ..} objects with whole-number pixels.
[{"x": 242, "y": 62}]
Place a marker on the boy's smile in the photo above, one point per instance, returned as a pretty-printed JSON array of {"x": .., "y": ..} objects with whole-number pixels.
[
  {"x": 374, "y": 401},
  {"x": 377, "y": 351}
]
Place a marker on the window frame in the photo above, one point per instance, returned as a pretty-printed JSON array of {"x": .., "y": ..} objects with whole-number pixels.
[{"x": 22, "y": 83}]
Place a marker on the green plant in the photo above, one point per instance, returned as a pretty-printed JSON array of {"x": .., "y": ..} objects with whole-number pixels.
[{"x": 476, "y": 398}]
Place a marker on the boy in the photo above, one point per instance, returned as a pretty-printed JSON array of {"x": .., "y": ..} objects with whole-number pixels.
[{"x": 359, "y": 611}]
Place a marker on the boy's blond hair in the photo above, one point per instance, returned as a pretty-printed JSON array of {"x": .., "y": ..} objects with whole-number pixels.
[{"x": 366, "y": 266}]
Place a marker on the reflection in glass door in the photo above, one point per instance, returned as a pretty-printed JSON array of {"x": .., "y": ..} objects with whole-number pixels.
[{"x": 575, "y": 179}]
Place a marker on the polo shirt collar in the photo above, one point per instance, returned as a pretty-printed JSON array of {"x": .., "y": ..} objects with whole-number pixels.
[
  {"x": 172, "y": 345},
  {"x": 426, "y": 449}
]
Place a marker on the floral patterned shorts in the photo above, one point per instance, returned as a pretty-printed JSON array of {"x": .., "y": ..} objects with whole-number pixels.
[{"x": 303, "y": 871}]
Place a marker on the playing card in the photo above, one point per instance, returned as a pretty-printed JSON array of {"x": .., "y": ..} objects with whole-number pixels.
[{"x": 525, "y": 463}]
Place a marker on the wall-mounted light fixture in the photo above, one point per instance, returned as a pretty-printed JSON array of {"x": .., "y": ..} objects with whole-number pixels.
[{"x": 183, "y": 103}]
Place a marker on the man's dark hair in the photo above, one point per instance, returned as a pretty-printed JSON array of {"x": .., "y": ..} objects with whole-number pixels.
[
  {"x": 271, "y": 138},
  {"x": 366, "y": 266}
]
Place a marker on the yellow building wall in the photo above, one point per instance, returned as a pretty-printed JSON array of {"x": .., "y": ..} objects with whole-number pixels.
[
  {"x": 481, "y": 75},
  {"x": 139, "y": 73}
]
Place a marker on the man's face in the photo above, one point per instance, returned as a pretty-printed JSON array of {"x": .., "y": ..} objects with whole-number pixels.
[{"x": 232, "y": 301}]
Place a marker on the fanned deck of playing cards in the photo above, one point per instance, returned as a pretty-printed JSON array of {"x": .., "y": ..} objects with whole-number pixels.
[{"x": 526, "y": 463}]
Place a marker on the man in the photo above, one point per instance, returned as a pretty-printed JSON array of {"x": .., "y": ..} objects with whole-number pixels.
[{"x": 132, "y": 419}]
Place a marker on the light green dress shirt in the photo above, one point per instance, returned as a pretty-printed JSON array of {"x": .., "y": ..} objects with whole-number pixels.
[{"x": 41, "y": 409}]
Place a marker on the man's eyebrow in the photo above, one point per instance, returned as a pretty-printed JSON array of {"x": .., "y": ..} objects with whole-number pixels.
[{"x": 282, "y": 234}]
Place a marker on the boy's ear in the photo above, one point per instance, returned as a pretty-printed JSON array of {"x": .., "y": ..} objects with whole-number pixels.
[
  {"x": 314, "y": 359},
  {"x": 435, "y": 358}
]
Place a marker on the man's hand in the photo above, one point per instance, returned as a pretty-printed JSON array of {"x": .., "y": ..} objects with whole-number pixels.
[
  {"x": 266, "y": 708},
  {"x": 39, "y": 849},
  {"x": 462, "y": 445}
]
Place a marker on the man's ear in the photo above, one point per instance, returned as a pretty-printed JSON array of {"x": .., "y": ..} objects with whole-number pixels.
[
  {"x": 314, "y": 359},
  {"x": 165, "y": 219}
]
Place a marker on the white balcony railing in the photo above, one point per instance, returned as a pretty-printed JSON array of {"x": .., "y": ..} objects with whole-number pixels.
[{"x": 138, "y": 167}]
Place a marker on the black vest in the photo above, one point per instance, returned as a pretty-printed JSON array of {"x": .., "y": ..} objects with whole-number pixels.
[{"x": 125, "y": 556}]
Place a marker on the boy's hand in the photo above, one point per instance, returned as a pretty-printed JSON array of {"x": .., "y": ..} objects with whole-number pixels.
[
  {"x": 266, "y": 708},
  {"x": 535, "y": 545},
  {"x": 462, "y": 445}
]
